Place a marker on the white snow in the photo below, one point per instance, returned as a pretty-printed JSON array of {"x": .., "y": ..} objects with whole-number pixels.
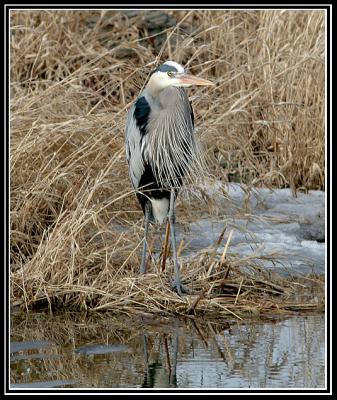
[{"x": 265, "y": 223}]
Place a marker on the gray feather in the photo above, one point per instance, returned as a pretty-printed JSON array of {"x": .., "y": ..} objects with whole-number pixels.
[
  {"x": 167, "y": 142},
  {"x": 133, "y": 148}
]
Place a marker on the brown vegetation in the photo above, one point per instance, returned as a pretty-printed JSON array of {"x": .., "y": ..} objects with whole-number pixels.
[{"x": 73, "y": 74}]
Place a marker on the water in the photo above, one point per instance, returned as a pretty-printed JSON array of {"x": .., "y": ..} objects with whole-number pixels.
[{"x": 110, "y": 352}]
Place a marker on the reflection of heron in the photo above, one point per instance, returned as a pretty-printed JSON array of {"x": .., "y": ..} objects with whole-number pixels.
[
  {"x": 161, "y": 147},
  {"x": 156, "y": 375}
]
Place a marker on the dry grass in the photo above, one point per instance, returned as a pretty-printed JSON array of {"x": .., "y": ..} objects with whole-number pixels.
[{"x": 73, "y": 76}]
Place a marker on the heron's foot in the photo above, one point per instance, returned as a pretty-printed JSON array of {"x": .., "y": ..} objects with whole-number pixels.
[
  {"x": 144, "y": 266},
  {"x": 142, "y": 270},
  {"x": 177, "y": 286}
]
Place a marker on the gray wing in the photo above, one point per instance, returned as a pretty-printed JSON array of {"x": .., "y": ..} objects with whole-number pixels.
[{"x": 135, "y": 148}]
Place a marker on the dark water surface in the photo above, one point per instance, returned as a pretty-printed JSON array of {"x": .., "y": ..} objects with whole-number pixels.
[{"x": 109, "y": 352}]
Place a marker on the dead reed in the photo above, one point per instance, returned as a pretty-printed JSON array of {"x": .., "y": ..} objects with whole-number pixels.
[{"x": 75, "y": 223}]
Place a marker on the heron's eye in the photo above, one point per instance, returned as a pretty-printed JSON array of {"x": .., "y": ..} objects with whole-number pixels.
[{"x": 170, "y": 74}]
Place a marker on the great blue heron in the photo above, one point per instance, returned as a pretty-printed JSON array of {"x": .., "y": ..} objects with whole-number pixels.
[{"x": 161, "y": 148}]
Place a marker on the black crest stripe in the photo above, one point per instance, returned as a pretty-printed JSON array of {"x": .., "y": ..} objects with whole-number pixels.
[{"x": 166, "y": 68}]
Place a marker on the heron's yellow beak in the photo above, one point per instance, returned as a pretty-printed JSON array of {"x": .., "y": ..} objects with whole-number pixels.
[{"x": 189, "y": 80}]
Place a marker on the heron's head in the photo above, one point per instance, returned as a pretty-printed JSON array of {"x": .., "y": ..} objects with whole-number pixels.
[{"x": 173, "y": 74}]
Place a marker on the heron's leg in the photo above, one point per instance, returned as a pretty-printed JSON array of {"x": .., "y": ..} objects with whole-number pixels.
[
  {"x": 146, "y": 228},
  {"x": 171, "y": 216},
  {"x": 165, "y": 248}
]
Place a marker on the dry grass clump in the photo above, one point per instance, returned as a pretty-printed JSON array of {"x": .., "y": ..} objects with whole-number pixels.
[{"x": 75, "y": 223}]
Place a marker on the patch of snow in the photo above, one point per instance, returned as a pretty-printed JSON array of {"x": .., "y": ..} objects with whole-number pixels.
[{"x": 271, "y": 223}]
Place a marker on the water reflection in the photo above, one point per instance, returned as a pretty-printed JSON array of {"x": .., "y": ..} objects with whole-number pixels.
[
  {"x": 102, "y": 351},
  {"x": 157, "y": 373}
]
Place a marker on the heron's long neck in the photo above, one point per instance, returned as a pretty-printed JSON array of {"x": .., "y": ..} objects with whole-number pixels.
[
  {"x": 172, "y": 146},
  {"x": 154, "y": 88}
]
